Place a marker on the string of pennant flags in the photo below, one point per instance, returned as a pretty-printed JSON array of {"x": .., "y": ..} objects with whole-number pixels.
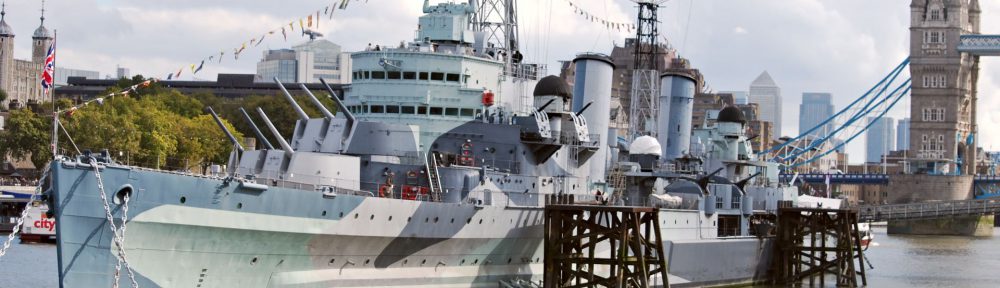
[
  {"x": 312, "y": 21},
  {"x": 610, "y": 25},
  {"x": 305, "y": 23}
]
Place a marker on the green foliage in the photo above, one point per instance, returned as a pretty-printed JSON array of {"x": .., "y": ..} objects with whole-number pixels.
[
  {"x": 27, "y": 137},
  {"x": 153, "y": 127},
  {"x": 3, "y": 96}
]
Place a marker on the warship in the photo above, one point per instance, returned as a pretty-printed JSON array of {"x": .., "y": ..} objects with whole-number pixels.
[{"x": 433, "y": 172}]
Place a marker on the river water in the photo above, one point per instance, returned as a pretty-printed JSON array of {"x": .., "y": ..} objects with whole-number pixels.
[{"x": 899, "y": 261}]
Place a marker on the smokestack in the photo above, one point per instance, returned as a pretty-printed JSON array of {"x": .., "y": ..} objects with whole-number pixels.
[
  {"x": 593, "y": 88},
  {"x": 676, "y": 92}
]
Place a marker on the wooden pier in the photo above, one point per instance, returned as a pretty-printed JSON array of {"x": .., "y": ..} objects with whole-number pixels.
[
  {"x": 603, "y": 246},
  {"x": 833, "y": 246}
]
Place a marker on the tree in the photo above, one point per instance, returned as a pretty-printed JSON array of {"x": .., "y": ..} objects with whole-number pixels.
[
  {"x": 3, "y": 97},
  {"x": 27, "y": 136}
]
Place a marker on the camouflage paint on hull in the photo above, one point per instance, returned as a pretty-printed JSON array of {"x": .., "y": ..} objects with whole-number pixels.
[{"x": 225, "y": 235}]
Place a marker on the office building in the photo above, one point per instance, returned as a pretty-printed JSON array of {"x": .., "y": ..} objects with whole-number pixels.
[
  {"x": 814, "y": 110},
  {"x": 880, "y": 138},
  {"x": 306, "y": 63},
  {"x": 767, "y": 95},
  {"x": 903, "y": 134}
]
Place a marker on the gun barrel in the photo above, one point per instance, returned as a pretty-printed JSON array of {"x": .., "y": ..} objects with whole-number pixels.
[
  {"x": 224, "y": 129},
  {"x": 322, "y": 109},
  {"x": 281, "y": 140},
  {"x": 256, "y": 130},
  {"x": 288, "y": 96},
  {"x": 340, "y": 104}
]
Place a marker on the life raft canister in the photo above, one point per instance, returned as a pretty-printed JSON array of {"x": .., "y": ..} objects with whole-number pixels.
[{"x": 488, "y": 98}]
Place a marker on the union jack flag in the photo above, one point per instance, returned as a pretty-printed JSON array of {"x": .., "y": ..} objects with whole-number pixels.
[{"x": 50, "y": 66}]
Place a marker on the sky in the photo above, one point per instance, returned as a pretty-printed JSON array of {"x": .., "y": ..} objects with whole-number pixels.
[{"x": 842, "y": 47}]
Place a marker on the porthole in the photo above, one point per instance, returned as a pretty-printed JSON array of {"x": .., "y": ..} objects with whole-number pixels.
[
  {"x": 475, "y": 261},
  {"x": 324, "y": 212},
  {"x": 537, "y": 259},
  {"x": 428, "y": 219},
  {"x": 253, "y": 261},
  {"x": 468, "y": 221},
  {"x": 372, "y": 217},
  {"x": 332, "y": 260},
  {"x": 509, "y": 260},
  {"x": 367, "y": 261},
  {"x": 406, "y": 261},
  {"x": 463, "y": 262},
  {"x": 390, "y": 218},
  {"x": 239, "y": 205},
  {"x": 452, "y": 220},
  {"x": 480, "y": 221},
  {"x": 355, "y": 215},
  {"x": 408, "y": 219},
  {"x": 423, "y": 262},
  {"x": 341, "y": 214},
  {"x": 435, "y": 219},
  {"x": 183, "y": 199}
]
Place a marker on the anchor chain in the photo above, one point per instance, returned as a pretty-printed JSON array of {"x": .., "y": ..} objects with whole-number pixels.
[
  {"x": 24, "y": 213},
  {"x": 119, "y": 232}
]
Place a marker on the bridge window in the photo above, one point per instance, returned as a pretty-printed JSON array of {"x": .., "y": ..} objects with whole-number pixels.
[
  {"x": 377, "y": 108},
  {"x": 934, "y": 81},
  {"x": 392, "y": 109},
  {"x": 933, "y": 37},
  {"x": 378, "y": 74},
  {"x": 395, "y": 75},
  {"x": 935, "y": 14},
  {"x": 468, "y": 112},
  {"x": 933, "y": 114},
  {"x": 409, "y": 75},
  {"x": 451, "y": 111},
  {"x": 422, "y": 110},
  {"x": 408, "y": 109},
  {"x": 437, "y": 111},
  {"x": 452, "y": 78},
  {"x": 423, "y": 76}
]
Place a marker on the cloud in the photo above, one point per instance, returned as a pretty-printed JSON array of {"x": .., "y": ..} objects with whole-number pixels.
[{"x": 842, "y": 47}]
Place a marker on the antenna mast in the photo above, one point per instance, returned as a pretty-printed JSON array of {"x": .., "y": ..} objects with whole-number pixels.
[
  {"x": 497, "y": 19},
  {"x": 643, "y": 104}
]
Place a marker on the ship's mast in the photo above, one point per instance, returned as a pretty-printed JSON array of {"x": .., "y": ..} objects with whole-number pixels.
[
  {"x": 643, "y": 105},
  {"x": 497, "y": 19}
]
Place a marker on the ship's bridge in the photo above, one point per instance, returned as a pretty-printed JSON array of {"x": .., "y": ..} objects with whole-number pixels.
[{"x": 403, "y": 83}]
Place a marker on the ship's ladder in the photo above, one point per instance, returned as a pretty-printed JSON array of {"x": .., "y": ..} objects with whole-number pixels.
[
  {"x": 432, "y": 177},
  {"x": 617, "y": 181}
]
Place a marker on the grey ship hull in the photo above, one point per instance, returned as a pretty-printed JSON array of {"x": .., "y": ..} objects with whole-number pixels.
[{"x": 194, "y": 231}]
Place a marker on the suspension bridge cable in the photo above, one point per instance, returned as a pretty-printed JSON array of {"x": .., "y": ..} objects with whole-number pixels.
[
  {"x": 849, "y": 106},
  {"x": 864, "y": 112},
  {"x": 870, "y": 123}
]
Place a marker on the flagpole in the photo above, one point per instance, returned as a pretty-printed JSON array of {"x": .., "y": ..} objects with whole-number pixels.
[{"x": 52, "y": 94}]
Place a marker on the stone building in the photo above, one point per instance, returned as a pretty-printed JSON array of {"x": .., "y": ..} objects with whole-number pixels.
[
  {"x": 20, "y": 79},
  {"x": 943, "y": 98}
]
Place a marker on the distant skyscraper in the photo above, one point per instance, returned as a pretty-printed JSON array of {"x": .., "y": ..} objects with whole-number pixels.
[
  {"x": 881, "y": 138},
  {"x": 815, "y": 108},
  {"x": 767, "y": 95},
  {"x": 740, "y": 97},
  {"x": 123, "y": 72},
  {"x": 306, "y": 63},
  {"x": 903, "y": 134}
]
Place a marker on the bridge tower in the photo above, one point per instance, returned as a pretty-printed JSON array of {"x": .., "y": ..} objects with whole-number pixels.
[{"x": 943, "y": 96}]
